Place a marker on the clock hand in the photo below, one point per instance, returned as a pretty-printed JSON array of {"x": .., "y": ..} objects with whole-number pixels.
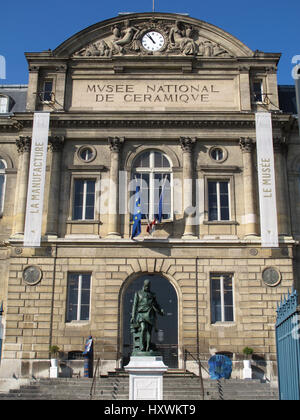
[{"x": 149, "y": 36}]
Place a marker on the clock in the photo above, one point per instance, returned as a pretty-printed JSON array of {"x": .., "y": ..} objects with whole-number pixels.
[{"x": 153, "y": 41}]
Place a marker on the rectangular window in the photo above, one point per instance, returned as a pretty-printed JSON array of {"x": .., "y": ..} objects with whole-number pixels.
[
  {"x": 162, "y": 195},
  {"x": 221, "y": 298},
  {"x": 257, "y": 90},
  {"x": 78, "y": 301},
  {"x": 84, "y": 199},
  {"x": 2, "y": 185},
  {"x": 218, "y": 200},
  {"x": 47, "y": 90}
]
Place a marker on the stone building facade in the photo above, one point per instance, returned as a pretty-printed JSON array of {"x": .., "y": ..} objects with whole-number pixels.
[{"x": 157, "y": 99}]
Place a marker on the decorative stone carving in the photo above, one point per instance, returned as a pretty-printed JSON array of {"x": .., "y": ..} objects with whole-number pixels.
[
  {"x": 271, "y": 276},
  {"x": 127, "y": 36},
  {"x": 32, "y": 275},
  {"x": 187, "y": 143},
  {"x": 23, "y": 144},
  {"x": 180, "y": 39},
  {"x": 56, "y": 143},
  {"x": 115, "y": 143},
  {"x": 246, "y": 144}
]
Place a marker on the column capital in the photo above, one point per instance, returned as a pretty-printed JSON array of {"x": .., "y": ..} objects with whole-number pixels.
[
  {"x": 23, "y": 144},
  {"x": 115, "y": 144},
  {"x": 244, "y": 68},
  {"x": 187, "y": 143},
  {"x": 56, "y": 143},
  {"x": 246, "y": 144},
  {"x": 33, "y": 69},
  {"x": 280, "y": 145}
]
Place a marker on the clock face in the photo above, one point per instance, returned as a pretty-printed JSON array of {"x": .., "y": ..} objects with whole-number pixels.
[{"x": 153, "y": 41}]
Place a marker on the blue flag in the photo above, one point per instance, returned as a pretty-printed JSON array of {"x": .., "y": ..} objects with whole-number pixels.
[
  {"x": 137, "y": 215},
  {"x": 160, "y": 204}
]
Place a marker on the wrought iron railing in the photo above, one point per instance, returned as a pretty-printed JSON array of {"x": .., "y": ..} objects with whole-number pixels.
[
  {"x": 288, "y": 347},
  {"x": 95, "y": 373},
  {"x": 200, "y": 367}
]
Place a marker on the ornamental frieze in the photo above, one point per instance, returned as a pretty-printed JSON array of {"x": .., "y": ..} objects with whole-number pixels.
[{"x": 153, "y": 38}]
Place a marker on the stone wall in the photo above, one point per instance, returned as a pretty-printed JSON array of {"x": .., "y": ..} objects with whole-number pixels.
[{"x": 36, "y": 315}]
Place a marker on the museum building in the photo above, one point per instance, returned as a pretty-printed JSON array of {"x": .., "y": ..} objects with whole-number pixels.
[{"x": 157, "y": 109}]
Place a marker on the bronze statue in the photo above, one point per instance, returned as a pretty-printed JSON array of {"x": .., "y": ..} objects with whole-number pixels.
[{"x": 143, "y": 319}]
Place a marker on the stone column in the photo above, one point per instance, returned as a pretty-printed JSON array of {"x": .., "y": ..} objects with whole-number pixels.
[
  {"x": 187, "y": 144},
  {"x": 55, "y": 146},
  {"x": 283, "y": 213},
  {"x": 245, "y": 94},
  {"x": 272, "y": 89},
  {"x": 115, "y": 145},
  {"x": 32, "y": 88},
  {"x": 250, "y": 213},
  {"x": 23, "y": 146},
  {"x": 60, "y": 87}
]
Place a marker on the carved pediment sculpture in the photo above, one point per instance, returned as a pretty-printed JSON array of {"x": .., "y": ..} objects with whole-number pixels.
[{"x": 177, "y": 38}]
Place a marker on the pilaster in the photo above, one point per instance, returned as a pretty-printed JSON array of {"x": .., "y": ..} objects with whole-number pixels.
[
  {"x": 23, "y": 145},
  {"x": 245, "y": 94},
  {"x": 32, "y": 88},
  {"x": 280, "y": 148},
  {"x": 250, "y": 213},
  {"x": 115, "y": 146},
  {"x": 56, "y": 144},
  {"x": 187, "y": 145}
]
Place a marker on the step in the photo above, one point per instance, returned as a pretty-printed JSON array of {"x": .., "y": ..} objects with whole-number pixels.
[{"x": 116, "y": 387}]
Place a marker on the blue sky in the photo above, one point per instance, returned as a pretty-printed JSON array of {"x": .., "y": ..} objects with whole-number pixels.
[{"x": 35, "y": 25}]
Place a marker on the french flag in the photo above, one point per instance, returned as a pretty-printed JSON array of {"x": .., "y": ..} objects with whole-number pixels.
[{"x": 157, "y": 217}]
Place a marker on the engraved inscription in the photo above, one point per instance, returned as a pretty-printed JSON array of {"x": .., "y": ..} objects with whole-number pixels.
[{"x": 114, "y": 94}]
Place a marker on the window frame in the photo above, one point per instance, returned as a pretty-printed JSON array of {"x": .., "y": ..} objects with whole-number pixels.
[
  {"x": 85, "y": 179},
  {"x": 79, "y": 297},
  {"x": 213, "y": 276},
  {"x": 152, "y": 171},
  {"x": 259, "y": 80},
  {"x": 218, "y": 180},
  {"x": 44, "y": 100},
  {"x": 2, "y": 197},
  {"x": 84, "y": 148},
  {"x": 224, "y": 151}
]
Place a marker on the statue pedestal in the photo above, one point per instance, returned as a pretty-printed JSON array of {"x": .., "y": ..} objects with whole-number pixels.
[
  {"x": 146, "y": 377},
  {"x": 247, "y": 371}
]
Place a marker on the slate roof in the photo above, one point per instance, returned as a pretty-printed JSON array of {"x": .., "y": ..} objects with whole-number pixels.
[
  {"x": 287, "y": 99},
  {"x": 17, "y": 94}
]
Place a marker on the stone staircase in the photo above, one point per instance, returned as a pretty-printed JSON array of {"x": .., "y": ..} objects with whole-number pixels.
[{"x": 115, "y": 386}]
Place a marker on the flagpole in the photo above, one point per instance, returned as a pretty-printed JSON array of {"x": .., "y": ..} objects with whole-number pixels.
[{"x": 153, "y": 6}]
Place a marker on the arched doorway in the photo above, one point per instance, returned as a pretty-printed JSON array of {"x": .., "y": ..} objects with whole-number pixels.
[{"x": 166, "y": 338}]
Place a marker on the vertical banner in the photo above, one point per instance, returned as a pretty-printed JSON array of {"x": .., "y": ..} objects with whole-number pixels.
[
  {"x": 266, "y": 180},
  {"x": 36, "y": 182}
]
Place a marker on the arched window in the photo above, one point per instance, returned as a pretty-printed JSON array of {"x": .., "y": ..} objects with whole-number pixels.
[
  {"x": 2, "y": 184},
  {"x": 152, "y": 171},
  {"x": 4, "y": 102}
]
